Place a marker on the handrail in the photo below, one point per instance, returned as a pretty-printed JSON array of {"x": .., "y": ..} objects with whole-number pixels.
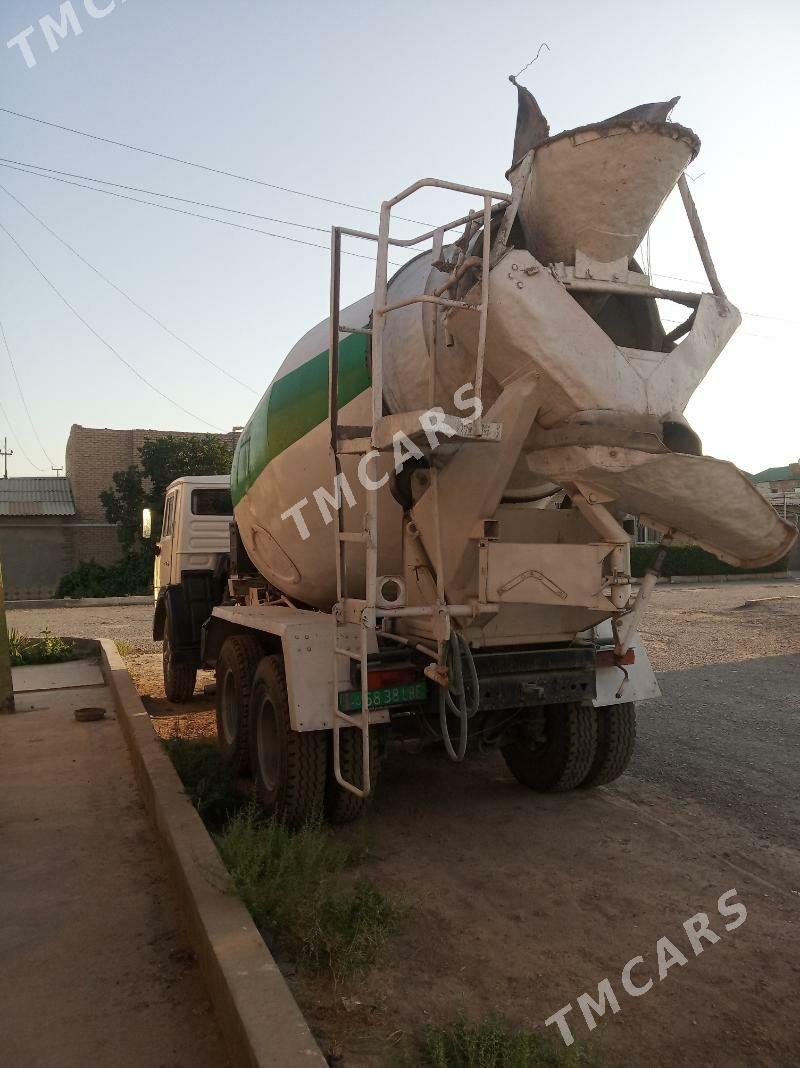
[{"x": 369, "y": 537}]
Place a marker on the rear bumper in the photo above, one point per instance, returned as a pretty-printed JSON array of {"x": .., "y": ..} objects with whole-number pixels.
[{"x": 511, "y": 679}]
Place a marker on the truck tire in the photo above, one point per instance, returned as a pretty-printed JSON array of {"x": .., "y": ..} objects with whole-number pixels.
[
  {"x": 289, "y": 767},
  {"x": 565, "y": 757},
  {"x": 179, "y": 679},
  {"x": 616, "y": 740},
  {"x": 238, "y": 659},
  {"x": 340, "y": 805}
]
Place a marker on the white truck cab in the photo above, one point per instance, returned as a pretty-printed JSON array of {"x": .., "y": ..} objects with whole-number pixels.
[
  {"x": 196, "y": 528},
  {"x": 190, "y": 573}
]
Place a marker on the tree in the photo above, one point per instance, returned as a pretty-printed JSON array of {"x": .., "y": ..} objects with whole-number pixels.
[
  {"x": 162, "y": 460},
  {"x": 123, "y": 505}
]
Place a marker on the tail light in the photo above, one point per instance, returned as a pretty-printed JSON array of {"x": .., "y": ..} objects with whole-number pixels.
[
  {"x": 606, "y": 658},
  {"x": 380, "y": 678}
]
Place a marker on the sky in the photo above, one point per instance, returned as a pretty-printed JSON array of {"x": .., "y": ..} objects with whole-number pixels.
[{"x": 352, "y": 102}]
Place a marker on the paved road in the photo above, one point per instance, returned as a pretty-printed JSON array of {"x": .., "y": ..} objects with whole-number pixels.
[
  {"x": 728, "y": 736},
  {"x": 131, "y": 624}
]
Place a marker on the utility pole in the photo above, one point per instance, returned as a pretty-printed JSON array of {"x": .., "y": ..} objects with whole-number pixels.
[
  {"x": 5, "y": 454},
  {"x": 57, "y": 470},
  {"x": 6, "y": 685}
]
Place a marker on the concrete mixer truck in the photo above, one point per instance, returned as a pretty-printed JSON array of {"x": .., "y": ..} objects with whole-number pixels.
[{"x": 432, "y": 500}]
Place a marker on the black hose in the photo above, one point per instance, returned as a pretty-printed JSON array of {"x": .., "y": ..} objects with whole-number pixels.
[{"x": 458, "y": 648}]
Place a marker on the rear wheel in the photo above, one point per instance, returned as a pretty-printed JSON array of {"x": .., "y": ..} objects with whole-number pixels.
[
  {"x": 236, "y": 667},
  {"x": 179, "y": 679},
  {"x": 560, "y": 755},
  {"x": 341, "y": 806},
  {"x": 616, "y": 740},
  {"x": 288, "y": 766}
]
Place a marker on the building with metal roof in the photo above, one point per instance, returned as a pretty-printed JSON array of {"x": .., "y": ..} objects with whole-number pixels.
[
  {"x": 36, "y": 496},
  {"x": 38, "y": 521},
  {"x": 50, "y": 525}
]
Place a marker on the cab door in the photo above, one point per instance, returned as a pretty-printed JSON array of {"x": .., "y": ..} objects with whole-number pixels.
[{"x": 164, "y": 548}]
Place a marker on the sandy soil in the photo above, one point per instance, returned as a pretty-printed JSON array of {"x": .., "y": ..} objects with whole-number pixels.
[
  {"x": 689, "y": 627},
  {"x": 522, "y": 902}
]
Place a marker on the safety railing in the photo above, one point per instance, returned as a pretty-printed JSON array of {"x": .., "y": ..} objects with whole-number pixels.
[{"x": 364, "y": 610}]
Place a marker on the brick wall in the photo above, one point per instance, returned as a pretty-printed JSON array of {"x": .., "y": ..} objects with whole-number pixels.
[
  {"x": 35, "y": 552},
  {"x": 94, "y": 541},
  {"x": 38, "y": 550},
  {"x": 93, "y": 455}
]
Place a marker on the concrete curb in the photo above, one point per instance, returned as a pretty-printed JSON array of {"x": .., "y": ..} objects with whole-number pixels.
[
  {"x": 80, "y": 602},
  {"x": 709, "y": 580},
  {"x": 258, "y": 1016}
]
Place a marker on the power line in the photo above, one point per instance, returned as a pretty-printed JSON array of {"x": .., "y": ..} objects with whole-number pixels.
[
  {"x": 201, "y": 166},
  {"x": 36, "y": 168},
  {"x": 100, "y": 338},
  {"x": 752, "y": 315},
  {"x": 127, "y": 297},
  {"x": 267, "y": 185},
  {"x": 33, "y": 167},
  {"x": 193, "y": 214},
  {"x": 738, "y": 334},
  {"x": 266, "y": 233},
  {"x": 21, "y": 393},
  {"x": 16, "y": 438}
]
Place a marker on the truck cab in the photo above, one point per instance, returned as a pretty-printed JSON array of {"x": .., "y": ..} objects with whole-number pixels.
[{"x": 190, "y": 573}]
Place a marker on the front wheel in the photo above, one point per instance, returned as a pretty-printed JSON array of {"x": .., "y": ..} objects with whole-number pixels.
[
  {"x": 289, "y": 767},
  {"x": 179, "y": 679},
  {"x": 560, "y": 755}
]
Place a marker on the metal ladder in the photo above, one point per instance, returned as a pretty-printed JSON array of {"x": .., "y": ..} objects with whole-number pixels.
[{"x": 361, "y": 440}]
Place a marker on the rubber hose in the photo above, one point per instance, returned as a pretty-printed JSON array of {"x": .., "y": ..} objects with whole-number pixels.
[{"x": 456, "y": 648}]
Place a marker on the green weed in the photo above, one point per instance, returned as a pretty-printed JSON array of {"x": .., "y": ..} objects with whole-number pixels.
[
  {"x": 46, "y": 649},
  {"x": 208, "y": 783},
  {"x": 293, "y": 884},
  {"x": 495, "y": 1045}
]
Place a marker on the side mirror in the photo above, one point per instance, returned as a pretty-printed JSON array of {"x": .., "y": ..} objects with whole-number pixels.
[{"x": 147, "y": 524}]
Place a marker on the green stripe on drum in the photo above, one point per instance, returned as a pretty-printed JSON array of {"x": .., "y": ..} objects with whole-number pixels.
[{"x": 294, "y": 405}]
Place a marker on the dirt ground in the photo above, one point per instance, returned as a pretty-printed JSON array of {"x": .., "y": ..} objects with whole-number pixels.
[{"x": 522, "y": 902}]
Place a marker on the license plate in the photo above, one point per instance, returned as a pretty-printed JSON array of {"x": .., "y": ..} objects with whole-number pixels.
[{"x": 350, "y": 700}]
